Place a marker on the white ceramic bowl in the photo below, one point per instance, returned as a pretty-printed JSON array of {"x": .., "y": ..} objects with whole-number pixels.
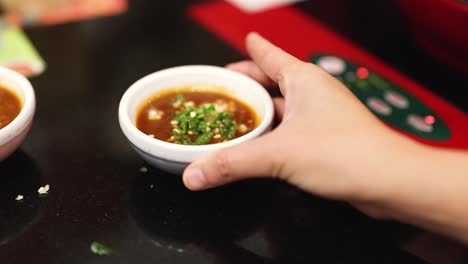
[
  {"x": 172, "y": 157},
  {"x": 14, "y": 133}
]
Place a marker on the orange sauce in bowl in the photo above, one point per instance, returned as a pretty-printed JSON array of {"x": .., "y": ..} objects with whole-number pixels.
[
  {"x": 10, "y": 106},
  {"x": 161, "y": 117}
]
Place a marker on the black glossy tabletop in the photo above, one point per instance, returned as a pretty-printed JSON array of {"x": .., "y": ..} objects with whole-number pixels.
[{"x": 100, "y": 190}]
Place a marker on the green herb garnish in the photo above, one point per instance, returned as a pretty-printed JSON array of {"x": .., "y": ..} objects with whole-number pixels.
[
  {"x": 100, "y": 249},
  {"x": 199, "y": 125},
  {"x": 180, "y": 98}
]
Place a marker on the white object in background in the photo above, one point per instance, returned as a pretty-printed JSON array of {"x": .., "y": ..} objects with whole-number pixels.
[
  {"x": 253, "y": 6},
  {"x": 332, "y": 65}
]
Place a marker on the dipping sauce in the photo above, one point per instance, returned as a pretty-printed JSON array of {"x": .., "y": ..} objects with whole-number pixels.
[
  {"x": 190, "y": 117},
  {"x": 10, "y": 106}
]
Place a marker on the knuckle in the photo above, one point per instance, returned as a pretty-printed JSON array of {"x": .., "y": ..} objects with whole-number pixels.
[
  {"x": 279, "y": 169},
  {"x": 286, "y": 73},
  {"x": 264, "y": 57},
  {"x": 291, "y": 72},
  {"x": 223, "y": 165},
  {"x": 277, "y": 162},
  {"x": 288, "y": 77},
  {"x": 312, "y": 68},
  {"x": 281, "y": 76},
  {"x": 317, "y": 70}
]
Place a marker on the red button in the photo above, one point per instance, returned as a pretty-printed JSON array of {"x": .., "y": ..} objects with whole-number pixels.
[
  {"x": 430, "y": 120},
  {"x": 362, "y": 73},
  {"x": 418, "y": 123}
]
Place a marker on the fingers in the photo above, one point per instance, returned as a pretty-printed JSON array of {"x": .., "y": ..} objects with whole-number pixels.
[
  {"x": 256, "y": 158},
  {"x": 273, "y": 61},
  {"x": 279, "y": 108},
  {"x": 251, "y": 69}
]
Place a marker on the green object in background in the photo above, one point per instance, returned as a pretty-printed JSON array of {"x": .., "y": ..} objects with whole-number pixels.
[
  {"x": 390, "y": 103},
  {"x": 100, "y": 249},
  {"x": 18, "y": 53}
]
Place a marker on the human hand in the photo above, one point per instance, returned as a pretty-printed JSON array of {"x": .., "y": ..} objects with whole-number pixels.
[{"x": 328, "y": 142}]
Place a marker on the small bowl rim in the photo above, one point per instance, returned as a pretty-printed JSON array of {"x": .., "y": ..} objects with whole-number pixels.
[
  {"x": 130, "y": 130},
  {"x": 25, "y": 116}
]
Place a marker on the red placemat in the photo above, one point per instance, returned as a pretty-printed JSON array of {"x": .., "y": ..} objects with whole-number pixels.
[{"x": 303, "y": 36}]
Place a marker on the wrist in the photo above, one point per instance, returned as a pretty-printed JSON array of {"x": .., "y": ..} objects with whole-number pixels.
[
  {"x": 379, "y": 177},
  {"x": 427, "y": 188}
]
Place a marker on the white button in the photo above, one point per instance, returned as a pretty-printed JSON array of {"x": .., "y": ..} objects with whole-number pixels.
[
  {"x": 396, "y": 99},
  {"x": 418, "y": 123},
  {"x": 332, "y": 65},
  {"x": 379, "y": 106}
]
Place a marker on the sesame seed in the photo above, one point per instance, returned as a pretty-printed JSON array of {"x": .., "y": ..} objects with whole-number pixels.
[
  {"x": 217, "y": 136},
  {"x": 177, "y": 104},
  {"x": 242, "y": 128},
  {"x": 189, "y": 104},
  {"x": 190, "y": 132},
  {"x": 19, "y": 197},
  {"x": 151, "y": 135},
  {"x": 154, "y": 114},
  {"x": 220, "y": 107},
  {"x": 193, "y": 114},
  {"x": 174, "y": 122},
  {"x": 44, "y": 189}
]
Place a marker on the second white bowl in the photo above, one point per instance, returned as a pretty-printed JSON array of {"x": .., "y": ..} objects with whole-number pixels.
[{"x": 12, "y": 135}]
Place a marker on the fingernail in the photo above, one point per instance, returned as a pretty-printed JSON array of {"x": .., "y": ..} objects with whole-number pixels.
[
  {"x": 230, "y": 65},
  {"x": 254, "y": 35},
  {"x": 233, "y": 67},
  {"x": 194, "y": 179}
]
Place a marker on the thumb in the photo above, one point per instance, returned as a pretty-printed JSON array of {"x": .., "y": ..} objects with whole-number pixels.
[{"x": 256, "y": 158}]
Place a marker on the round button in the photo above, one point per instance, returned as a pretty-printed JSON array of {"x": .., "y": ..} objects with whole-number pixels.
[
  {"x": 396, "y": 99},
  {"x": 379, "y": 106},
  {"x": 429, "y": 119},
  {"x": 362, "y": 73},
  {"x": 418, "y": 123},
  {"x": 332, "y": 64}
]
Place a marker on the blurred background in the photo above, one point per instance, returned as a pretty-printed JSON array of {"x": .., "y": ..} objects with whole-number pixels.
[{"x": 81, "y": 55}]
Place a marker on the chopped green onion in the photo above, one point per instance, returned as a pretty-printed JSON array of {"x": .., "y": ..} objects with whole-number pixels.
[
  {"x": 180, "y": 98},
  {"x": 199, "y": 125}
]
